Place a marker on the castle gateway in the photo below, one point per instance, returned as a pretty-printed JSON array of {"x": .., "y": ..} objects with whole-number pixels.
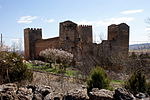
[{"x": 78, "y": 40}]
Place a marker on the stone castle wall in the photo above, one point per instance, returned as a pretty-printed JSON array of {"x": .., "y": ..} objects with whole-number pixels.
[
  {"x": 44, "y": 44},
  {"x": 77, "y": 39}
]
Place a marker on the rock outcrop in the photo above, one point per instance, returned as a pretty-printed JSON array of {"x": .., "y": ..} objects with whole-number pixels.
[
  {"x": 10, "y": 91},
  {"x": 77, "y": 94},
  {"x": 101, "y": 94},
  {"x": 123, "y": 94}
]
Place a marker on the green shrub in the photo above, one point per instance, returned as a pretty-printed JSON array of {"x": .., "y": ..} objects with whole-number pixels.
[
  {"x": 98, "y": 79},
  {"x": 136, "y": 83},
  {"x": 12, "y": 68}
]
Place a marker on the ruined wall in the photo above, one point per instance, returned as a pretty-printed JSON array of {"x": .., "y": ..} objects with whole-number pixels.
[
  {"x": 78, "y": 40},
  {"x": 113, "y": 49},
  {"x": 45, "y": 44}
]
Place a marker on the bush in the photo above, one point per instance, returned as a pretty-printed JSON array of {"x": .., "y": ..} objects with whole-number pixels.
[
  {"x": 12, "y": 68},
  {"x": 98, "y": 79},
  {"x": 136, "y": 83},
  {"x": 57, "y": 56}
]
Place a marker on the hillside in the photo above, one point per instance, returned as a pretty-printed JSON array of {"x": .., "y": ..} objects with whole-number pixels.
[{"x": 139, "y": 46}]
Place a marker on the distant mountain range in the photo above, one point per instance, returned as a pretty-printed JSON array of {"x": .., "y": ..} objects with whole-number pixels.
[{"x": 139, "y": 46}]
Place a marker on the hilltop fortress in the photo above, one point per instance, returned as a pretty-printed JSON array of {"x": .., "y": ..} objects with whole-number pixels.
[{"x": 78, "y": 40}]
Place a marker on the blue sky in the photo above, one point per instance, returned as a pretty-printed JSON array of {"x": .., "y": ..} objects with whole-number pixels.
[{"x": 15, "y": 15}]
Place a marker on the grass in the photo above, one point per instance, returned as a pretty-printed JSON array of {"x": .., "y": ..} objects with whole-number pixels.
[
  {"x": 54, "y": 69},
  {"x": 70, "y": 73},
  {"x": 29, "y": 65},
  {"x": 118, "y": 81}
]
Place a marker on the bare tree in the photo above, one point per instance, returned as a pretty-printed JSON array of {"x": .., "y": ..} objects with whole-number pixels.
[
  {"x": 17, "y": 46},
  {"x": 101, "y": 36},
  {"x": 4, "y": 47}
]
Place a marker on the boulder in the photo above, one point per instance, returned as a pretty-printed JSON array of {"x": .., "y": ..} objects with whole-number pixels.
[
  {"x": 44, "y": 90},
  {"x": 40, "y": 92},
  {"x": 53, "y": 96},
  {"x": 7, "y": 96},
  {"x": 8, "y": 88},
  {"x": 76, "y": 94},
  {"x": 141, "y": 95},
  {"x": 30, "y": 92},
  {"x": 101, "y": 94},
  {"x": 37, "y": 96},
  {"x": 8, "y": 91},
  {"x": 24, "y": 94},
  {"x": 123, "y": 94},
  {"x": 33, "y": 87},
  {"x": 50, "y": 96}
]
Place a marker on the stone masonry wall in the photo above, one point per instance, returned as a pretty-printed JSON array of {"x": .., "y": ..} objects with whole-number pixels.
[
  {"x": 45, "y": 44},
  {"x": 30, "y": 37},
  {"x": 78, "y": 40}
]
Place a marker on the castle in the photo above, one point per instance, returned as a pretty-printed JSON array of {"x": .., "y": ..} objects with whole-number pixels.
[{"x": 78, "y": 40}]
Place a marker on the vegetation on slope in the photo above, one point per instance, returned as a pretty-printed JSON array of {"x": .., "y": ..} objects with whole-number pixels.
[
  {"x": 137, "y": 83},
  {"x": 12, "y": 68},
  {"x": 98, "y": 79}
]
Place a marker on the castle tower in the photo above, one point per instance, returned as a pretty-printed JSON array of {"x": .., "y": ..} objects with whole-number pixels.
[
  {"x": 68, "y": 35},
  {"x": 30, "y": 36},
  {"x": 113, "y": 32},
  {"x": 85, "y": 33},
  {"x": 68, "y": 31},
  {"x": 119, "y": 35}
]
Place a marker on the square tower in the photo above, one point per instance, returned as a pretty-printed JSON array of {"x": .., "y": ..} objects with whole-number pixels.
[
  {"x": 118, "y": 35},
  {"x": 68, "y": 35},
  {"x": 30, "y": 36},
  {"x": 85, "y": 33}
]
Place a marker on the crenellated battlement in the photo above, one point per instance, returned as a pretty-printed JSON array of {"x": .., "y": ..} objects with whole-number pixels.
[
  {"x": 85, "y": 32},
  {"x": 34, "y": 29},
  {"x": 85, "y": 26}
]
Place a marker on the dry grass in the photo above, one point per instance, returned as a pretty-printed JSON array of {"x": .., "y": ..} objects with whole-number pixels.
[
  {"x": 58, "y": 83},
  {"x": 140, "y": 51}
]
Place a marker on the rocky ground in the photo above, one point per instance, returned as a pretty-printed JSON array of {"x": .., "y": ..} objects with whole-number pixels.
[
  {"x": 47, "y": 86},
  {"x": 10, "y": 91},
  {"x": 59, "y": 83},
  {"x": 55, "y": 87}
]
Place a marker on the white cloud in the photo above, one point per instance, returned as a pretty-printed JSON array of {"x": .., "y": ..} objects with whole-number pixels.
[
  {"x": 50, "y": 20},
  {"x": 26, "y": 19},
  {"x": 147, "y": 29},
  {"x": 85, "y": 22},
  {"x": 106, "y": 22},
  {"x": 110, "y": 21},
  {"x": 132, "y": 11}
]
